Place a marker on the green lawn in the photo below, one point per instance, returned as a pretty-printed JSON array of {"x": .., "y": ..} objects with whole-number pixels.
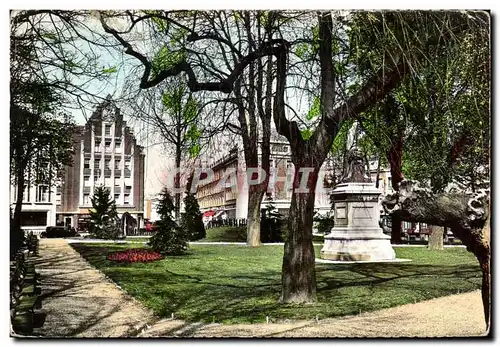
[
  {"x": 226, "y": 234},
  {"x": 234, "y": 284}
]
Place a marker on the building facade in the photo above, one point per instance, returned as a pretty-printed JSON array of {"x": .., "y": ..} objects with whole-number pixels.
[
  {"x": 106, "y": 153},
  {"x": 229, "y": 193},
  {"x": 38, "y": 208}
]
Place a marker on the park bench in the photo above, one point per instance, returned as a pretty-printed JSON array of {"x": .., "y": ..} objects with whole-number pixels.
[{"x": 24, "y": 289}]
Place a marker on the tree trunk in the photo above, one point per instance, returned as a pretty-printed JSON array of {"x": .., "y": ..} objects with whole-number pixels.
[
  {"x": 253, "y": 229},
  {"x": 467, "y": 214},
  {"x": 177, "y": 183},
  {"x": 436, "y": 238},
  {"x": 16, "y": 233},
  {"x": 484, "y": 262},
  {"x": 19, "y": 201},
  {"x": 298, "y": 276}
]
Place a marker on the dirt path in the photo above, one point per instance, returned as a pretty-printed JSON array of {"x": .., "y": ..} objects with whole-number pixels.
[
  {"x": 81, "y": 302},
  {"x": 456, "y": 315}
]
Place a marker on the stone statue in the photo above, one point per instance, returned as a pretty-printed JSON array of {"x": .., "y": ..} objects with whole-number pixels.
[{"x": 355, "y": 167}]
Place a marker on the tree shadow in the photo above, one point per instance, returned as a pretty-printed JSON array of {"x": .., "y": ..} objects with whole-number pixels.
[
  {"x": 71, "y": 306},
  {"x": 249, "y": 295}
]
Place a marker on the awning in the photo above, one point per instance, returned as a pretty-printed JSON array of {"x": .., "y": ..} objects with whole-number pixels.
[{"x": 208, "y": 214}]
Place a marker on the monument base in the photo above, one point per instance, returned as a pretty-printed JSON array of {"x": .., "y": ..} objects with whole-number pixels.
[{"x": 370, "y": 245}]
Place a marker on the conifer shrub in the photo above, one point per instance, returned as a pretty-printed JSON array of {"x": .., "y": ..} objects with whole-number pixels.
[{"x": 169, "y": 238}]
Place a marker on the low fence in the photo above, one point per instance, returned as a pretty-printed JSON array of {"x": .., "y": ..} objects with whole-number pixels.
[
  {"x": 230, "y": 222},
  {"x": 140, "y": 232}
]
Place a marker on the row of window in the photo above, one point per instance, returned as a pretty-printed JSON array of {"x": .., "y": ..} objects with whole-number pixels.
[
  {"x": 127, "y": 199},
  {"x": 107, "y": 145},
  {"x": 42, "y": 194},
  {"x": 107, "y": 164},
  {"x": 212, "y": 202}
]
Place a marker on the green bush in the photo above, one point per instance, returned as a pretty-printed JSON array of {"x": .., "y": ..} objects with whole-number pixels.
[
  {"x": 323, "y": 224},
  {"x": 192, "y": 220},
  {"x": 169, "y": 239}
]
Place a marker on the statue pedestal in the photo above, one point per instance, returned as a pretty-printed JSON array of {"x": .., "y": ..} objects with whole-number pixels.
[{"x": 356, "y": 235}]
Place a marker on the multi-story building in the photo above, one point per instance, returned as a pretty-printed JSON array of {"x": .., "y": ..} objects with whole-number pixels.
[
  {"x": 106, "y": 153},
  {"x": 231, "y": 195},
  {"x": 39, "y": 206}
]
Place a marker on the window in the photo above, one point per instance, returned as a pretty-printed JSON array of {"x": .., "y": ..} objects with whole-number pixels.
[
  {"x": 128, "y": 164},
  {"x": 108, "y": 145},
  {"x": 32, "y": 219},
  {"x": 97, "y": 144},
  {"x": 97, "y": 163},
  {"x": 285, "y": 149},
  {"x": 86, "y": 199},
  {"x": 86, "y": 163},
  {"x": 118, "y": 143},
  {"x": 107, "y": 164},
  {"x": 117, "y": 197},
  {"x": 42, "y": 194},
  {"x": 107, "y": 129},
  {"x": 117, "y": 164},
  {"x": 86, "y": 181},
  {"x": 97, "y": 174}
]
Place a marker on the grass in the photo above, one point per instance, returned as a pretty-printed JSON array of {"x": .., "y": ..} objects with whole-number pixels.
[
  {"x": 226, "y": 234},
  {"x": 236, "y": 284}
]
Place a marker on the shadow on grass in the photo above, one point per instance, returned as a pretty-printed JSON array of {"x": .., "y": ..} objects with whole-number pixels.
[{"x": 208, "y": 285}]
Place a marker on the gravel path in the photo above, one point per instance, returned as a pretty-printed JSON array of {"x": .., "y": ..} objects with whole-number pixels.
[
  {"x": 81, "y": 302},
  {"x": 451, "y": 316}
]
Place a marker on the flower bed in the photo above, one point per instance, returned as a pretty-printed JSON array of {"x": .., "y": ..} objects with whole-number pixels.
[{"x": 136, "y": 255}]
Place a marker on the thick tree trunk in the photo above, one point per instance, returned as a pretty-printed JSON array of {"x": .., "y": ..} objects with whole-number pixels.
[
  {"x": 298, "y": 271},
  {"x": 436, "y": 236},
  {"x": 467, "y": 214},
  {"x": 255, "y": 196},
  {"x": 484, "y": 262}
]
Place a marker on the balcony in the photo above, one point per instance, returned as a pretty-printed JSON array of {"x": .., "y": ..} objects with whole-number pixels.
[
  {"x": 86, "y": 190},
  {"x": 127, "y": 173},
  {"x": 118, "y": 173},
  {"x": 107, "y": 173},
  {"x": 86, "y": 171},
  {"x": 118, "y": 190}
]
